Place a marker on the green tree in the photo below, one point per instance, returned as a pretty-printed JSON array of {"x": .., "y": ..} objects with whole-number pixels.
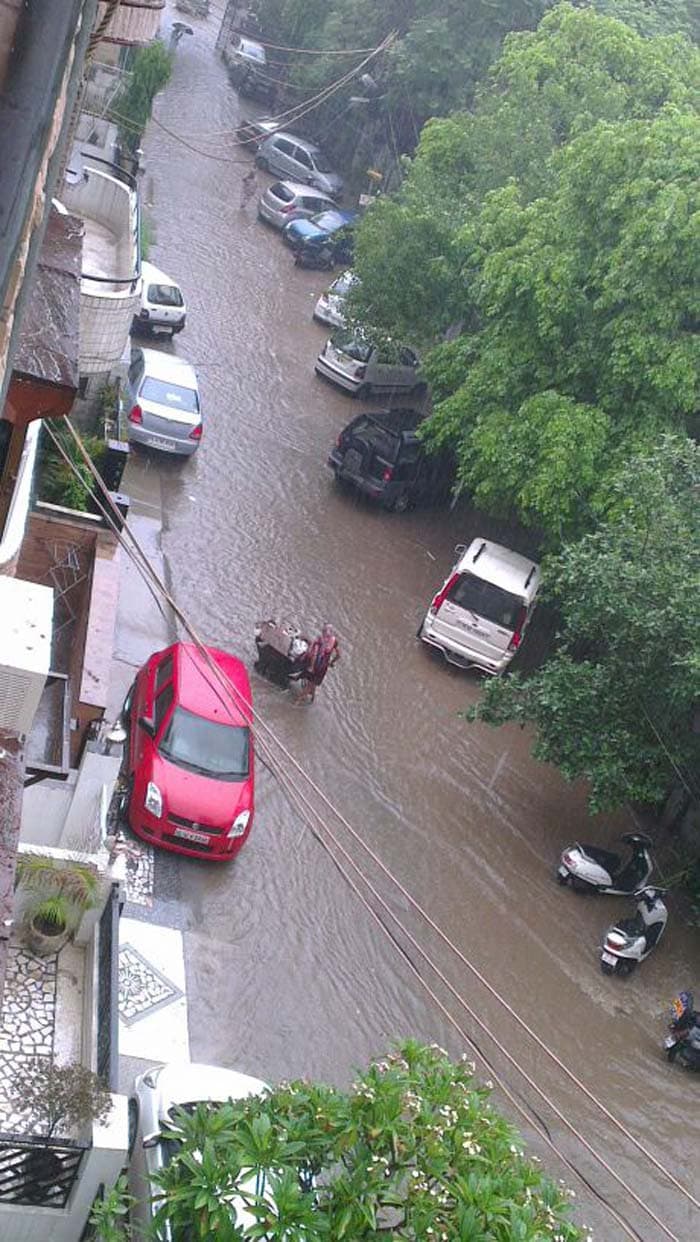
[
  {"x": 615, "y": 703},
  {"x": 413, "y": 1150},
  {"x": 150, "y": 70}
]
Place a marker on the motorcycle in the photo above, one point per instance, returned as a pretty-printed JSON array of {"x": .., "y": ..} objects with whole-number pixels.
[
  {"x": 282, "y": 651},
  {"x": 631, "y": 940},
  {"x": 683, "y": 1044},
  {"x": 590, "y": 869}
]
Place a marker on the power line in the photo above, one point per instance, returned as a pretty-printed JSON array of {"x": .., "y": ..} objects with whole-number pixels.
[{"x": 234, "y": 696}]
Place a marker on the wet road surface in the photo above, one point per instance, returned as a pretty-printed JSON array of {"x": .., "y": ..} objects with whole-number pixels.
[{"x": 287, "y": 973}]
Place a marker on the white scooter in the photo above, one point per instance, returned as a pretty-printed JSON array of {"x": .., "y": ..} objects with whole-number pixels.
[
  {"x": 631, "y": 940},
  {"x": 590, "y": 869}
]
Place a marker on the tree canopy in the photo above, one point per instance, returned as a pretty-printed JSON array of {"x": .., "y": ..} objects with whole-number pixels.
[
  {"x": 412, "y": 1150},
  {"x": 615, "y": 703}
]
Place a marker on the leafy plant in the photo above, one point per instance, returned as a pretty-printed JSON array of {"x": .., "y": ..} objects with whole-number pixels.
[
  {"x": 412, "y": 1150},
  {"x": 109, "y": 1218},
  {"x": 52, "y": 915},
  {"x": 78, "y": 883},
  {"x": 150, "y": 70},
  {"x": 59, "y": 1097},
  {"x": 57, "y": 482}
]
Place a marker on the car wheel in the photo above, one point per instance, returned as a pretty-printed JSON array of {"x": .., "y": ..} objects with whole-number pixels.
[
  {"x": 133, "y": 1125},
  {"x": 401, "y": 503},
  {"x": 364, "y": 392},
  {"x": 262, "y": 163}
]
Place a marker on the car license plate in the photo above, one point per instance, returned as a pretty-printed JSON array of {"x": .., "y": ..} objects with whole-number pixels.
[
  {"x": 669, "y": 1042},
  {"x": 157, "y": 442},
  {"x": 609, "y": 959},
  {"x": 187, "y": 834}
]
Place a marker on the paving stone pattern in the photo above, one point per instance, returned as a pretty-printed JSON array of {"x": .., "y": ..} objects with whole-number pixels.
[
  {"x": 26, "y": 1025},
  {"x": 142, "y": 988}
]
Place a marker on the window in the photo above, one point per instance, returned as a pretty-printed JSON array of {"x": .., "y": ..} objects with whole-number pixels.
[
  {"x": 162, "y": 705},
  {"x": 164, "y": 295},
  {"x": 303, "y": 157},
  {"x": 164, "y": 672},
  {"x": 205, "y": 746},
  {"x": 282, "y": 192},
  {"x": 485, "y": 599},
  {"x": 284, "y": 147},
  {"x": 162, "y": 393}
]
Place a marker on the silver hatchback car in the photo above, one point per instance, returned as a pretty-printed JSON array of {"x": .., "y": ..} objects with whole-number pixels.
[
  {"x": 285, "y": 155},
  {"x": 161, "y": 399},
  {"x": 286, "y": 200}
]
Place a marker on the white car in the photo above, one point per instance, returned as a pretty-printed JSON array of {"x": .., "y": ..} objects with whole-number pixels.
[
  {"x": 162, "y": 304},
  {"x": 480, "y": 614},
  {"x": 330, "y": 307},
  {"x": 157, "y": 1095},
  {"x": 364, "y": 369}
]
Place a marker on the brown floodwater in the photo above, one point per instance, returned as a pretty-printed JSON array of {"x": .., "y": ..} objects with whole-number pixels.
[{"x": 287, "y": 972}]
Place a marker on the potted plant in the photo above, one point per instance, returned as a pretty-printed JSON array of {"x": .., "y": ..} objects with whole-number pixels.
[{"x": 63, "y": 891}]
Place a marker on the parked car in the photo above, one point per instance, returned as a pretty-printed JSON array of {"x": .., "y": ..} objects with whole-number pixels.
[
  {"x": 330, "y": 307},
  {"x": 161, "y": 398},
  {"x": 158, "y": 1094},
  {"x": 247, "y": 64},
  {"x": 245, "y": 53},
  {"x": 162, "y": 304},
  {"x": 188, "y": 758},
  {"x": 382, "y": 456},
  {"x": 362, "y": 368},
  {"x": 324, "y": 240},
  {"x": 285, "y": 201},
  {"x": 480, "y": 614},
  {"x": 285, "y": 155},
  {"x": 254, "y": 131}
]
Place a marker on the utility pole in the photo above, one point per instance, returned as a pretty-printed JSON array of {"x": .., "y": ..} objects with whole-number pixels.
[{"x": 228, "y": 22}]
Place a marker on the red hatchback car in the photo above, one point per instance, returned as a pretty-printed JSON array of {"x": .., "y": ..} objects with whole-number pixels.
[{"x": 189, "y": 753}]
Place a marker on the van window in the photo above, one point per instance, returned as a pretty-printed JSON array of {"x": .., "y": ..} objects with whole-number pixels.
[
  {"x": 164, "y": 295},
  {"x": 486, "y": 600}
]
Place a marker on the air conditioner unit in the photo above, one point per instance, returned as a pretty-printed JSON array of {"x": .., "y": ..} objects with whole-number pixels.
[{"x": 26, "y": 619}]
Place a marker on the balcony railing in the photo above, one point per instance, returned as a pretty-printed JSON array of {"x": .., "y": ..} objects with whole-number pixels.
[
  {"x": 134, "y": 22},
  {"x": 106, "y": 199}
]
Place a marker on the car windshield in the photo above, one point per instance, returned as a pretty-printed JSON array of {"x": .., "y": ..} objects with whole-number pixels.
[
  {"x": 163, "y": 393},
  {"x": 485, "y": 599},
  {"x": 329, "y": 220},
  {"x": 165, "y": 295},
  {"x": 254, "y": 50},
  {"x": 359, "y": 350},
  {"x": 218, "y": 750}
]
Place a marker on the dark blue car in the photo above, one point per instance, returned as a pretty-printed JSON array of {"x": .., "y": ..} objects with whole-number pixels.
[{"x": 322, "y": 241}]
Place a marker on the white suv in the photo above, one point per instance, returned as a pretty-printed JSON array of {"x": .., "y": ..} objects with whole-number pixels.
[{"x": 480, "y": 613}]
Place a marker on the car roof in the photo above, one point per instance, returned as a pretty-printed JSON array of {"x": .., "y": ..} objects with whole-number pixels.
[
  {"x": 284, "y": 133},
  {"x": 504, "y": 568},
  {"x": 298, "y": 188},
  {"x": 164, "y": 366},
  {"x": 200, "y": 691},
  {"x": 187, "y": 1083},
  {"x": 150, "y": 272}
]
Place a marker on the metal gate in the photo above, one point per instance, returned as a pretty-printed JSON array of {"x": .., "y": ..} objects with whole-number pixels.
[
  {"x": 108, "y": 992},
  {"x": 39, "y": 1172}
]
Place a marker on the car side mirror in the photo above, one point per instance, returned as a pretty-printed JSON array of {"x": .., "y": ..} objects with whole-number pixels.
[
  {"x": 460, "y": 548},
  {"x": 151, "y": 1140},
  {"x": 147, "y": 725}
]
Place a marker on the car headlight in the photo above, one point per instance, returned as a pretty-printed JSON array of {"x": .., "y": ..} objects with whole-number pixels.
[
  {"x": 154, "y": 800},
  {"x": 239, "y": 825}
]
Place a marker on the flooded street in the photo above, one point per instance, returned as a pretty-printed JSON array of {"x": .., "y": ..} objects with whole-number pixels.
[{"x": 287, "y": 972}]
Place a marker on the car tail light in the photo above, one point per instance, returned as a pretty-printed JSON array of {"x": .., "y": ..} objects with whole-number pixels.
[
  {"x": 360, "y": 372},
  {"x": 196, "y": 432},
  {"x": 441, "y": 596},
  {"x": 517, "y": 636},
  {"x": 388, "y": 475},
  {"x": 135, "y": 414},
  {"x": 287, "y": 209},
  {"x": 568, "y": 859}
]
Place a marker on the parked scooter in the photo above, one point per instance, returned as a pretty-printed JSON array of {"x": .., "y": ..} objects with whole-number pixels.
[
  {"x": 631, "y": 940},
  {"x": 683, "y": 1044},
  {"x": 590, "y": 869}
]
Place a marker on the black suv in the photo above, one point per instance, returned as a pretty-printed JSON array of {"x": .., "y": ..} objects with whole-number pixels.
[{"x": 381, "y": 455}]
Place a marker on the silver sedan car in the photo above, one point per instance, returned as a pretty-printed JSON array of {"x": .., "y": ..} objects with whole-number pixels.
[
  {"x": 161, "y": 402},
  {"x": 287, "y": 200}
]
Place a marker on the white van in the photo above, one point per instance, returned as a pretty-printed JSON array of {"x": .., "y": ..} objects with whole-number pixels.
[
  {"x": 479, "y": 615},
  {"x": 162, "y": 304}
]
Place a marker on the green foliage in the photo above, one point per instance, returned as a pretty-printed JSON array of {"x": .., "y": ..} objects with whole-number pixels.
[
  {"x": 615, "y": 703},
  {"x": 148, "y": 235},
  {"x": 57, "y": 482},
  {"x": 150, "y": 70},
  {"x": 413, "y": 1150},
  {"x": 109, "y": 1218},
  {"x": 59, "y": 1098}
]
